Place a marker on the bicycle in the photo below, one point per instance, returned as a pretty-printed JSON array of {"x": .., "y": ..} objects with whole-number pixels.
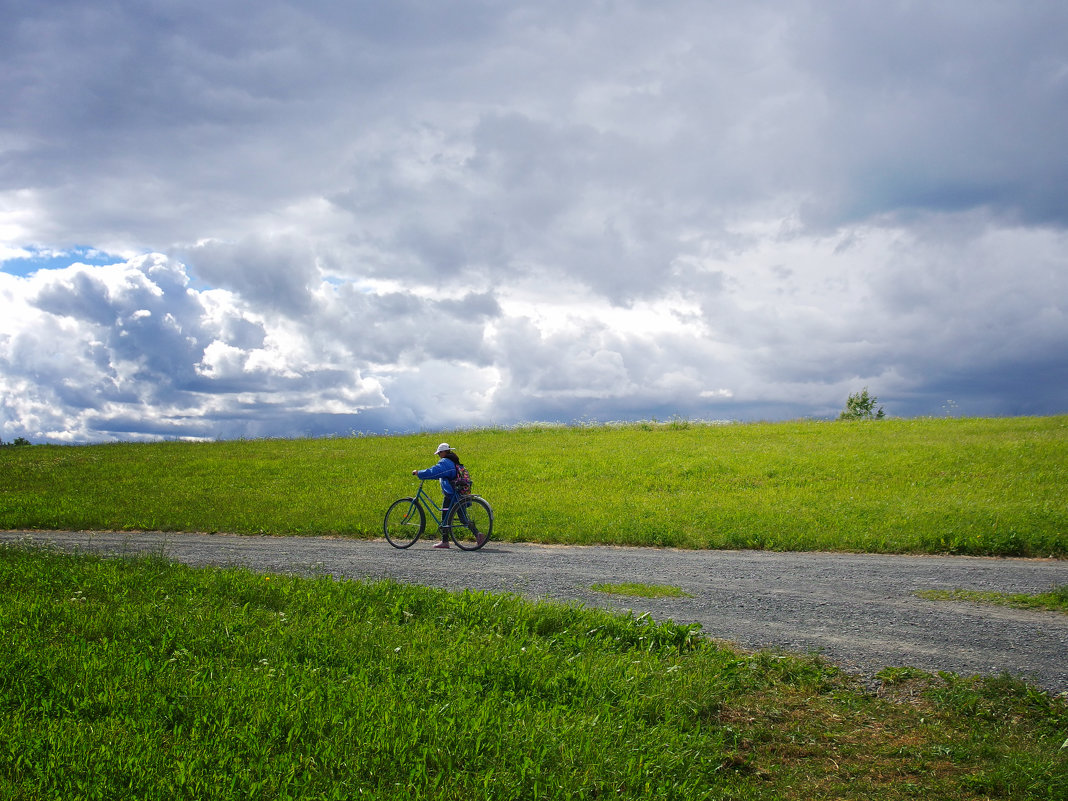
[{"x": 469, "y": 521}]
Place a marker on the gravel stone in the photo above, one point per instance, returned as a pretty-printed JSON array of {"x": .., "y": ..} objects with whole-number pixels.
[{"x": 859, "y": 611}]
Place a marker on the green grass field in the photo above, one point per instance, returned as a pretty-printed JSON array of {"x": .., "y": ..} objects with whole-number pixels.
[
  {"x": 137, "y": 678},
  {"x": 966, "y": 486}
]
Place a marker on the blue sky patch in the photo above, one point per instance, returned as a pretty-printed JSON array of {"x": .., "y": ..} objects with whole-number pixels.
[{"x": 57, "y": 260}]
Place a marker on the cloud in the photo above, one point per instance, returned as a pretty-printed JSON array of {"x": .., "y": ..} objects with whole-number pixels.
[
  {"x": 99, "y": 346},
  {"x": 941, "y": 107},
  {"x": 345, "y": 216},
  {"x": 272, "y": 273}
]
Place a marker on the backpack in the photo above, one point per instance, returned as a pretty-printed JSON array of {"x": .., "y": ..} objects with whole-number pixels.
[{"x": 462, "y": 483}]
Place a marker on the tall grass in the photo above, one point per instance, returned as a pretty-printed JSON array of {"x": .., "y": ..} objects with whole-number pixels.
[
  {"x": 969, "y": 486},
  {"x": 144, "y": 679}
]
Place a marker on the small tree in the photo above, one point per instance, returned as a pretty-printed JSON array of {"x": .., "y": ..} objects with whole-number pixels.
[{"x": 861, "y": 406}]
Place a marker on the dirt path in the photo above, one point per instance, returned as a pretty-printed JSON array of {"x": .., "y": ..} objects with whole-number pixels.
[{"x": 859, "y": 611}]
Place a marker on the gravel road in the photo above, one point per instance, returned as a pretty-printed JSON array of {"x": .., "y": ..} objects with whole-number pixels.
[{"x": 859, "y": 611}]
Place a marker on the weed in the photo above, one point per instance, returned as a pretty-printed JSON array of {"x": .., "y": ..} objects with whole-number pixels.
[
  {"x": 642, "y": 590},
  {"x": 1055, "y": 600}
]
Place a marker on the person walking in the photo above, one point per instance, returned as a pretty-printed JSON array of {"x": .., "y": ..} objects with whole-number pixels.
[{"x": 445, "y": 471}]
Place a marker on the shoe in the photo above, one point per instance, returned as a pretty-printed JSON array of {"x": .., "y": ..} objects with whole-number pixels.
[
  {"x": 481, "y": 539},
  {"x": 442, "y": 545}
]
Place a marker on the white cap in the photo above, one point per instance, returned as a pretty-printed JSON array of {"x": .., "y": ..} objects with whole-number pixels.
[{"x": 443, "y": 447}]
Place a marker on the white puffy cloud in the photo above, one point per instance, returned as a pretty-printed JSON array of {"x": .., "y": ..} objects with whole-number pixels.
[
  {"x": 130, "y": 350},
  {"x": 414, "y": 215}
]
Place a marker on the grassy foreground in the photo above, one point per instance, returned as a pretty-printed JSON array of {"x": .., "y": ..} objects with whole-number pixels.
[
  {"x": 967, "y": 486},
  {"x": 143, "y": 679}
]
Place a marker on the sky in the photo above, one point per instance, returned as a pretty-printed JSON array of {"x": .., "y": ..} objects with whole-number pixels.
[{"x": 224, "y": 219}]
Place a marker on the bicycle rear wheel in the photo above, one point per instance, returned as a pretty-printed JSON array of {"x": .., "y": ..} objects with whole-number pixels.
[
  {"x": 404, "y": 523},
  {"x": 470, "y": 522}
]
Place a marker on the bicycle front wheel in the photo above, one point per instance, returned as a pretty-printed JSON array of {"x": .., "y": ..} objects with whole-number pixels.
[
  {"x": 404, "y": 523},
  {"x": 470, "y": 522}
]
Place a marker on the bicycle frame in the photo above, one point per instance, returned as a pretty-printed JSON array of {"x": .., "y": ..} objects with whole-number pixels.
[{"x": 422, "y": 497}]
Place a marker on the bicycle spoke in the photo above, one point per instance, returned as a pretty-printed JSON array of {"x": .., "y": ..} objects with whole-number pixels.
[
  {"x": 404, "y": 523},
  {"x": 470, "y": 522}
]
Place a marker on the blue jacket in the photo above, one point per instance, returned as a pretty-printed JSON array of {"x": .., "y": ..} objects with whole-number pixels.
[{"x": 444, "y": 470}]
